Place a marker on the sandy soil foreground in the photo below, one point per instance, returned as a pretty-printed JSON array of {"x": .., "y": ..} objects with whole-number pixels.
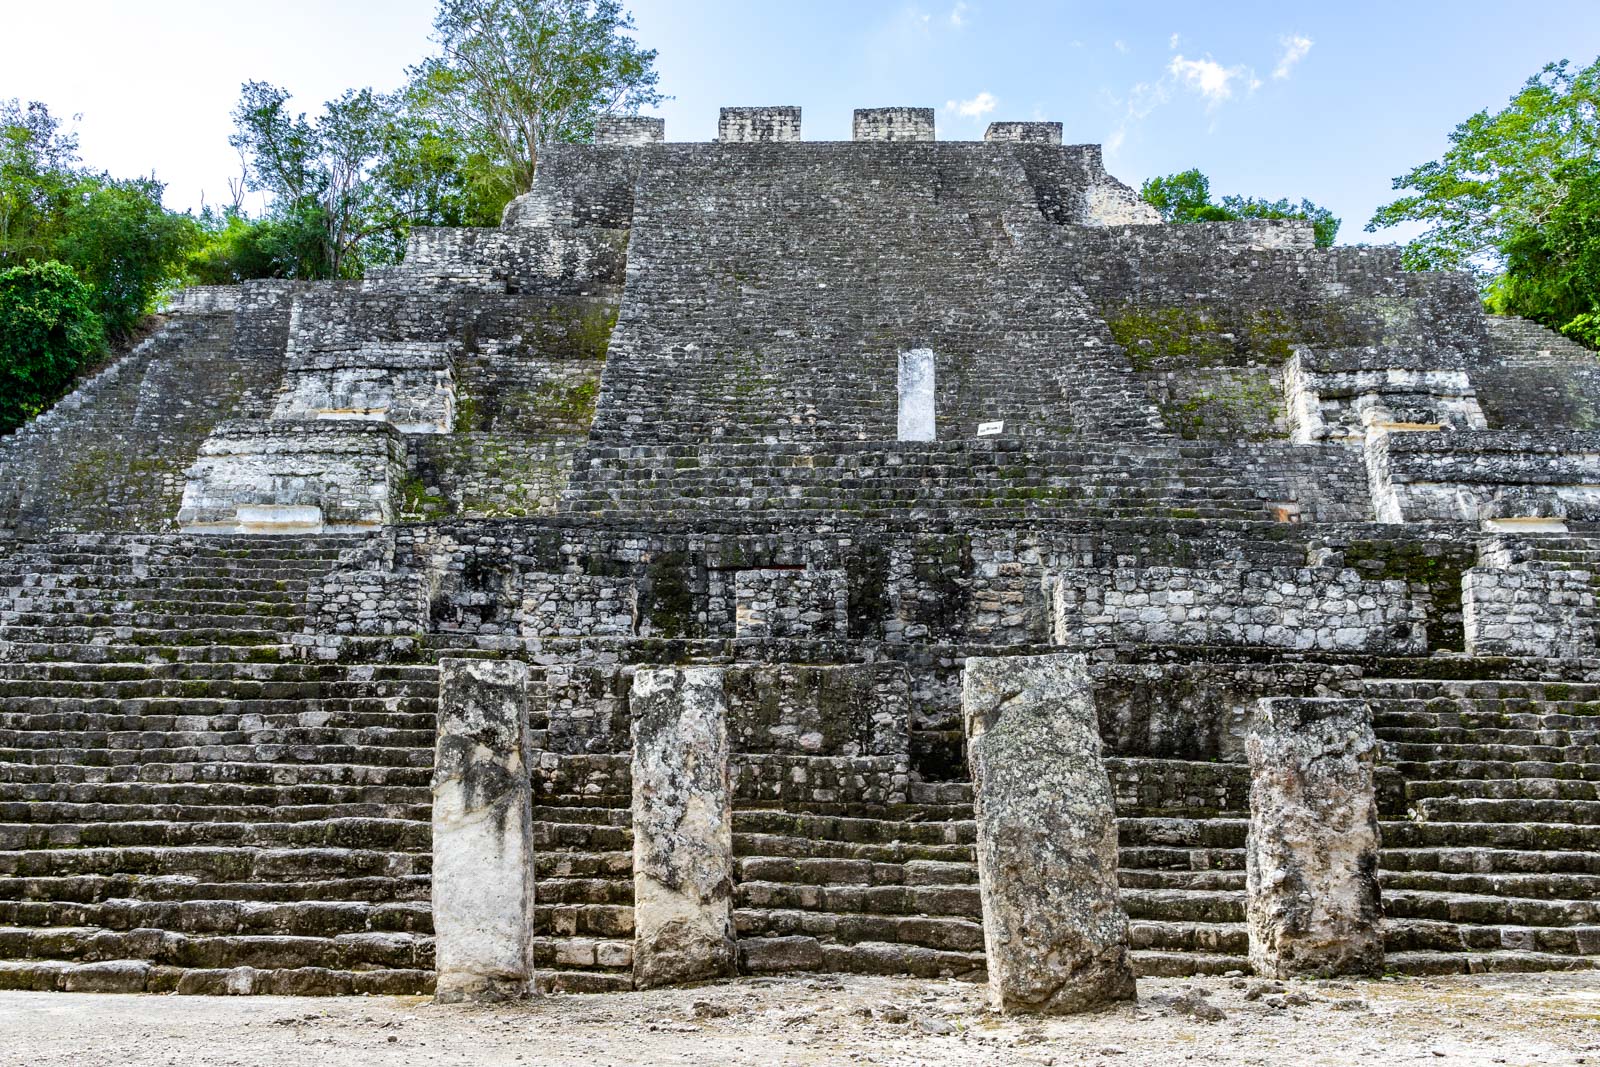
[{"x": 1511, "y": 1019}]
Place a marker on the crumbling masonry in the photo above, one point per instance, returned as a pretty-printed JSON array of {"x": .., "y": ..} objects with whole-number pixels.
[{"x": 667, "y": 568}]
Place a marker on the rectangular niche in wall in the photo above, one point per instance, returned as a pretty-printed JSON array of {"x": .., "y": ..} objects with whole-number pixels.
[{"x": 916, "y": 421}]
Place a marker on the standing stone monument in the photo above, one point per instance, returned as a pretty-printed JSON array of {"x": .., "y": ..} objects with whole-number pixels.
[
  {"x": 916, "y": 395},
  {"x": 682, "y": 828},
  {"x": 1054, "y": 930},
  {"x": 1312, "y": 854},
  {"x": 483, "y": 874}
]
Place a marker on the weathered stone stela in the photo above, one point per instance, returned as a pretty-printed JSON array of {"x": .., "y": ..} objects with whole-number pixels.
[
  {"x": 1055, "y": 933},
  {"x": 1311, "y": 859},
  {"x": 682, "y": 828},
  {"x": 797, "y": 475}
]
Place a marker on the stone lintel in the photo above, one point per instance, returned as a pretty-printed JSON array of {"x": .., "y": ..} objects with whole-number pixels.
[
  {"x": 1311, "y": 858},
  {"x": 682, "y": 828},
  {"x": 1054, "y": 928},
  {"x": 483, "y": 864}
]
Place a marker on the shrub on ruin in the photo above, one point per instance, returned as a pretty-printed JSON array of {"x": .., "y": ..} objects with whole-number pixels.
[{"x": 49, "y": 332}]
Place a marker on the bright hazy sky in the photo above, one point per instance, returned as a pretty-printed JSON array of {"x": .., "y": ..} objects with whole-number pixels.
[{"x": 1327, "y": 100}]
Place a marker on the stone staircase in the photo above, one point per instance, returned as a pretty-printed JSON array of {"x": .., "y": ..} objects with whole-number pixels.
[
  {"x": 583, "y": 896},
  {"x": 1491, "y": 832},
  {"x": 1523, "y": 341},
  {"x": 184, "y": 807},
  {"x": 111, "y": 456},
  {"x": 956, "y": 479}
]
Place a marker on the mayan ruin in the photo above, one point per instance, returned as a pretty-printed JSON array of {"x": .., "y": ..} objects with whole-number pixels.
[{"x": 781, "y": 559}]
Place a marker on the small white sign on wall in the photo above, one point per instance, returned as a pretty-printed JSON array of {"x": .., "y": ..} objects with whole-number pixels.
[{"x": 991, "y": 429}]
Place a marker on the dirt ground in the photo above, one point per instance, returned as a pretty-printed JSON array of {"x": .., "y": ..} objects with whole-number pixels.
[{"x": 1512, "y": 1019}]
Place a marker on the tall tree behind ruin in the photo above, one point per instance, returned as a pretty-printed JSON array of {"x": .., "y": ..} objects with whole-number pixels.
[{"x": 514, "y": 75}]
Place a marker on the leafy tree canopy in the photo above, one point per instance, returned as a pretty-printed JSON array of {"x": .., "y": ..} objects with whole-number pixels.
[
  {"x": 50, "y": 332},
  {"x": 1515, "y": 199},
  {"x": 1186, "y": 197}
]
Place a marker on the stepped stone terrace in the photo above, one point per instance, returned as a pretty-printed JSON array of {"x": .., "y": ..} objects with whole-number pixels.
[{"x": 896, "y": 556}]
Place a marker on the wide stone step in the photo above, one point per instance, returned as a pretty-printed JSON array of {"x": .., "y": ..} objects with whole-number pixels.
[
  {"x": 1504, "y": 789},
  {"x": 317, "y": 918},
  {"x": 380, "y": 891},
  {"x": 825, "y": 828},
  {"x": 259, "y": 736},
  {"x": 1155, "y": 963},
  {"x": 801, "y": 847},
  {"x": 583, "y": 865},
  {"x": 1224, "y": 832},
  {"x": 220, "y": 771},
  {"x": 1205, "y": 880},
  {"x": 1473, "y": 809},
  {"x": 371, "y": 755},
  {"x": 610, "y": 921},
  {"x": 1474, "y": 736},
  {"x": 1489, "y": 860},
  {"x": 1227, "y": 938},
  {"x": 267, "y": 951},
  {"x": 1538, "y": 885},
  {"x": 1489, "y": 910},
  {"x": 168, "y": 866},
  {"x": 395, "y": 834},
  {"x": 943, "y": 932},
  {"x": 1454, "y": 769},
  {"x": 1152, "y": 859},
  {"x": 1431, "y": 935},
  {"x": 585, "y": 890},
  {"x": 1405, "y": 752},
  {"x": 1191, "y": 905},
  {"x": 140, "y": 976},
  {"x": 94, "y": 676},
  {"x": 1437, "y": 963},
  {"x": 47, "y": 813},
  {"x": 858, "y": 872},
  {"x": 1538, "y": 837},
  {"x": 789, "y": 954},
  {"x": 870, "y": 899}
]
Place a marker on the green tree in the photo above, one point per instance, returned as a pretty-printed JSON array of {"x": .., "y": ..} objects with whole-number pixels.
[
  {"x": 125, "y": 245},
  {"x": 1513, "y": 199},
  {"x": 1186, "y": 197},
  {"x": 48, "y": 333},
  {"x": 318, "y": 173},
  {"x": 515, "y": 75}
]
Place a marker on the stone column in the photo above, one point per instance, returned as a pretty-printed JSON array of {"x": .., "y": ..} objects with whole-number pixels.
[
  {"x": 1053, "y": 926},
  {"x": 1312, "y": 854},
  {"x": 916, "y": 388},
  {"x": 682, "y": 828},
  {"x": 483, "y": 872}
]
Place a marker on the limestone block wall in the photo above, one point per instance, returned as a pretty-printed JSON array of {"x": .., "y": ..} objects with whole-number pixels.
[
  {"x": 742, "y": 323},
  {"x": 1239, "y": 604},
  {"x": 1338, "y": 395},
  {"x": 203, "y": 300},
  {"x": 893, "y": 124},
  {"x": 315, "y": 477},
  {"x": 758, "y": 125},
  {"x": 630, "y": 130},
  {"x": 790, "y": 603},
  {"x": 408, "y": 384},
  {"x": 1487, "y": 475},
  {"x": 1024, "y": 132}
]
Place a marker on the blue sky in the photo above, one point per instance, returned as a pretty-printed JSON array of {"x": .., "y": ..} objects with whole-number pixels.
[{"x": 1322, "y": 100}]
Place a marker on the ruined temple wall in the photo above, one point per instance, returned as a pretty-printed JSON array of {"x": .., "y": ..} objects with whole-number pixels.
[{"x": 771, "y": 290}]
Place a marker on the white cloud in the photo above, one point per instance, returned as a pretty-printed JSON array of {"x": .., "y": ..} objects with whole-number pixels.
[
  {"x": 979, "y": 105},
  {"x": 1209, "y": 78},
  {"x": 1295, "y": 48},
  {"x": 1121, "y": 46},
  {"x": 958, "y": 14},
  {"x": 1172, "y": 42}
]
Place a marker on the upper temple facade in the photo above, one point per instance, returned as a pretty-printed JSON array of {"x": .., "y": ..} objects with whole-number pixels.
[{"x": 745, "y": 449}]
